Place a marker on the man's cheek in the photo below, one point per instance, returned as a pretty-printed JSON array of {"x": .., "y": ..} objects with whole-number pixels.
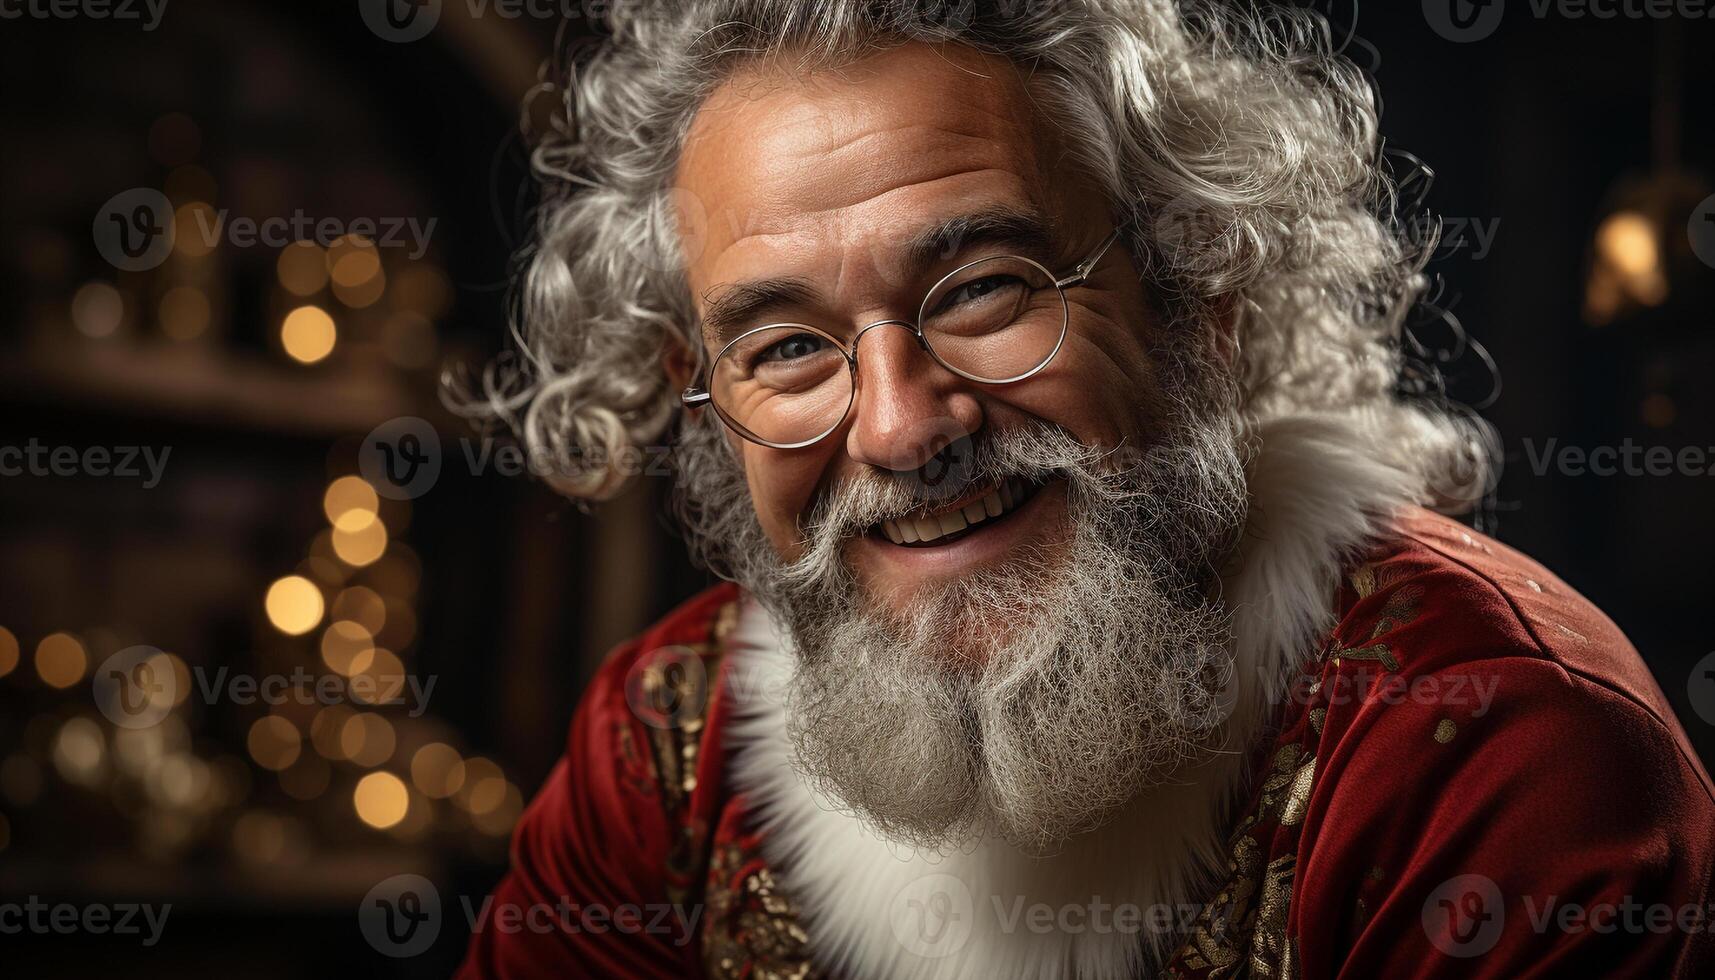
[{"x": 781, "y": 495}]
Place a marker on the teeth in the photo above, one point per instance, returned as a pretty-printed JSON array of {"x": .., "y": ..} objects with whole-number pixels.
[
  {"x": 906, "y": 530},
  {"x": 928, "y": 529}
]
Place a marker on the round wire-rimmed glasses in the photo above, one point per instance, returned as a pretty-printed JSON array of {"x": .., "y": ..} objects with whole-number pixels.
[{"x": 997, "y": 321}]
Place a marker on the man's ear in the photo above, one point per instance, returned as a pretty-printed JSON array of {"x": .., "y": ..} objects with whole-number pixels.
[{"x": 678, "y": 362}]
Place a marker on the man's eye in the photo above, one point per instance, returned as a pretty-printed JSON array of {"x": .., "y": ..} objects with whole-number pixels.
[
  {"x": 978, "y": 288},
  {"x": 794, "y": 347}
]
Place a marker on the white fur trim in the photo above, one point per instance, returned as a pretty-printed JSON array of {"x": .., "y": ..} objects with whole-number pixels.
[{"x": 876, "y": 910}]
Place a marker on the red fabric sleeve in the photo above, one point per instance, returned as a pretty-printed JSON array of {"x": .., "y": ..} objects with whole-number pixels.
[
  {"x": 591, "y": 847},
  {"x": 1453, "y": 837}
]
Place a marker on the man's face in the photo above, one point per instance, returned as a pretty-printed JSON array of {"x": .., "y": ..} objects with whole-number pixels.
[{"x": 826, "y": 180}]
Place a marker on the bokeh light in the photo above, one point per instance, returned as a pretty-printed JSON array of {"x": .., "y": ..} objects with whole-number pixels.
[
  {"x": 381, "y": 799},
  {"x": 308, "y": 334},
  {"x": 61, "y": 660},
  {"x": 302, "y": 269},
  {"x": 9, "y": 651},
  {"x": 294, "y": 605},
  {"x": 97, "y": 310},
  {"x": 274, "y": 742},
  {"x": 351, "y": 504},
  {"x": 367, "y": 739},
  {"x": 347, "y": 647},
  {"x": 363, "y": 606},
  {"x": 362, "y": 546},
  {"x": 437, "y": 770}
]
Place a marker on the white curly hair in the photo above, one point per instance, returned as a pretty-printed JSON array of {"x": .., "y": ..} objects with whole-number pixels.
[{"x": 1242, "y": 149}]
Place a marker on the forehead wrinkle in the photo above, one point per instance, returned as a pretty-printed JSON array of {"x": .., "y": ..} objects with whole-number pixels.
[{"x": 880, "y": 244}]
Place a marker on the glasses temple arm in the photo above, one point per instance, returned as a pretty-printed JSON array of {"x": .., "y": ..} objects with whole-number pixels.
[{"x": 1082, "y": 272}]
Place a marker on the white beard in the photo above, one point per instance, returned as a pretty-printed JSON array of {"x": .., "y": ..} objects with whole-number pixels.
[
  {"x": 875, "y": 908},
  {"x": 1034, "y": 699}
]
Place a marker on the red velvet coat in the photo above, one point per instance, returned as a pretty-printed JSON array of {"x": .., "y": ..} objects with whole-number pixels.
[{"x": 1475, "y": 776}]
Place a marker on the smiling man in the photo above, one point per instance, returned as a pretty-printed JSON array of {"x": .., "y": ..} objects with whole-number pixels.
[{"x": 1034, "y": 374}]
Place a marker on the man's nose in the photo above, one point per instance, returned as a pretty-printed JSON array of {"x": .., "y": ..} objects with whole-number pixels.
[{"x": 907, "y": 407}]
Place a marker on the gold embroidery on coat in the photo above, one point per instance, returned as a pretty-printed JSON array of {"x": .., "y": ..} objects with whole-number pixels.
[
  {"x": 1244, "y": 927},
  {"x": 751, "y": 925}
]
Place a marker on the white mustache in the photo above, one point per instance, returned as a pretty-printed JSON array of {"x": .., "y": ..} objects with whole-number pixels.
[{"x": 1033, "y": 454}]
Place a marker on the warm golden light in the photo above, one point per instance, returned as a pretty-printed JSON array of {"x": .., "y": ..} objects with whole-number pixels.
[
  {"x": 79, "y": 751},
  {"x": 97, "y": 310},
  {"x": 383, "y": 679},
  {"x": 437, "y": 770},
  {"x": 9, "y": 651},
  {"x": 302, "y": 269},
  {"x": 363, "y": 606},
  {"x": 362, "y": 546},
  {"x": 1627, "y": 270},
  {"x": 184, "y": 313},
  {"x": 499, "y": 820},
  {"x": 367, "y": 739},
  {"x": 484, "y": 786},
  {"x": 274, "y": 742},
  {"x": 60, "y": 660},
  {"x": 381, "y": 799},
  {"x": 308, "y": 334},
  {"x": 354, "y": 266},
  {"x": 196, "y": 229},
  {"x": 327, "y": 731},
  {"x": 347, "y": 647},
  {"x": 351, "y": 504},
  {"x": 1627, "y": 240},
  {"x": 294, "y": 605}
]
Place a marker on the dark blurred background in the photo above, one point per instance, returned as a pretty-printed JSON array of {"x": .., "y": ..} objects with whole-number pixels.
[{"x": 1572, "y": 156}]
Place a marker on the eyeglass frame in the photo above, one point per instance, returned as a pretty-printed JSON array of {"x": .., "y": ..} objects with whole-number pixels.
[{"x": 697, "y": 396}]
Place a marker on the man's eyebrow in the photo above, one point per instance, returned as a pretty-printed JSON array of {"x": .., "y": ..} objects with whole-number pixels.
[
  {"x": 1024, "y": 230},
  {"x": 738, "y": 307}
]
